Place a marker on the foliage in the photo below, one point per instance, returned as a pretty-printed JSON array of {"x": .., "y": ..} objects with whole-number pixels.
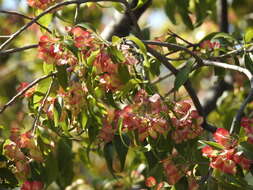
[{"x": 101, "y": 101}]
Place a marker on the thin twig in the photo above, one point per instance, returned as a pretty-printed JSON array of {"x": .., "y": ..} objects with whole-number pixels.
[
  {"x": 174, "y": 46},
  {"x": 235, "y": 52},
  {"x": 132, "y": 17},
  {"x": 77, "y": 13},
  {"x": 22, "y": 92},
  {"x": 48, "y": 10},
  {"x": 122, "y": 25},
  {"x": 179, "y": 37},
  {"x": 159, "y": 79},
  {"x": 237, "y": 119},
  {"x": 5, "y": 36},
  {"x": 26, "y": 17},
  {"x": 41, "y": 107},
  {"x": 14, "y": 50},
  {"x": 230, "y": 67}
]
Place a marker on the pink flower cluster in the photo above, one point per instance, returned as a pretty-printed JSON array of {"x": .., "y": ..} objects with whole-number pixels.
[
  {"x": 186, "y": 124},
  {"x": 225, "y": 159},
  {"x": 41, "y": 4},
  {"x": 247, "y": 124}
]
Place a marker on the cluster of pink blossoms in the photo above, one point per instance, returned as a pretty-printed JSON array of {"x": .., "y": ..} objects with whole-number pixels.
[
  {"x": 174, "y": 172},
  {"x": 247, "y": 124},
  {"x": 207, "y": 44},
  {"x": 225, "y": 159},
  {"x": 32, "y": 185},
  {"x": 52, "y": 51},
  {"x": 187, "y": 123},
  {"x": 41, "y": 4},
  {"x": 21, "y": 160},
  {"x": 144, "y": 117}
]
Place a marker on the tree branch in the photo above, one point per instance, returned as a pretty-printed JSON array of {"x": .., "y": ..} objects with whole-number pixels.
[
  {"x": 48, "y": 10},
  {"x": 41, "y": 107},
  {"x": 237, "y": 119},
  {"x": 14, "y": 50},
  {"x": 245, "y": 71},
  {"x": 25, "y": 17},
  {"x": 123, "y": 25},
  {"x": 22, "y": 92},
  {"x": 174, "y": 47}
]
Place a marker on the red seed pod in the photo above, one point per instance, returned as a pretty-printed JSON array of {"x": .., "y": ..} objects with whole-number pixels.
[{"x": 150, "y": 181}]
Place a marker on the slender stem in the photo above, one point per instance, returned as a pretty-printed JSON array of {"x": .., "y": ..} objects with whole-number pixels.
[
  {"x": 174, "y": 46},
  {"x": 159, "y": 79},
  {"x": 77, "y": 13},
  {"x": 26, "y": 17},
  {"x": 48, "y": 10},
  {"x": 237, "y": 119},
  {"x": 41, "y": 107},
  {"x": 5, "y": 36},
  {"x": 231, "y": 67},
  {"x": 14, "y": 50},
  {"x": 179, "y": 37},
  {"x": 22, "y": 92},
  {"x": 235, "y": 127}
]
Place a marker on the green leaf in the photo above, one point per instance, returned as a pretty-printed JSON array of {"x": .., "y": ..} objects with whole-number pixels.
[
  {"x": 46, "y": 19},
  {"x": 200, "y": 9},
  {"x": 51, "y": 169},
  {"x": 42, "y": 87},
  {"x": 140, "y": 4},
  {"x": 225, "y": 36},
  {"x": 119, "y": 7},
  {"x": 116, "y": 40},
  {"x": 120, "y": 143},
  {"x": 109, "y": 154},
  {"x": 65, "y": 162},
  {"x": 87, "y": 26},
  {"x": 151, "y": 159},
  {"x": 248, "y": 62},
  {"x": 71, "y": 47},
  {"x": 130, "y": 85},
  {"x": 57, "y": 110},
  {"x": 92, "y": 129},
  {"x": 208, "y": 37},
  {"x": 248, "y": 35},
  {"x": 7, "y": 176},
  {"x": 212, "y": 144},
  {"x": 84, "y": 119},
  {"x": 247, "y": 149},
  {"x": 139, "y": 43},
  {"x": 155, "y": 67},
  {"x": 62, "y": 76},
  {"x": 182, "y": 76},
  {"x": 181, "y": 184},
  {"x": 170, "y": 10},
  {"x": 40, "y": 91},
  {"x": 116, "y": 55},
  {"x": 186, "y": 18},
  {"x": 123, "y": 73},
  {"x": 48, "y": 68},
  {"x": 156, "y": 171},
  {"x": 92, "y": 57}
]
